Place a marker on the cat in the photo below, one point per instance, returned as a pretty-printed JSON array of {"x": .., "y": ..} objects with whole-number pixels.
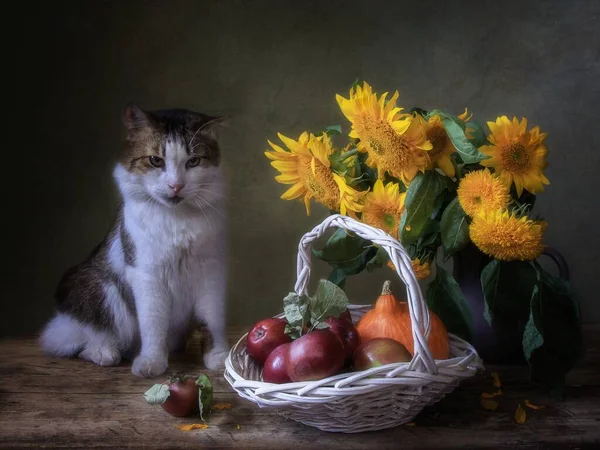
[{"x": 162, "y": 267}]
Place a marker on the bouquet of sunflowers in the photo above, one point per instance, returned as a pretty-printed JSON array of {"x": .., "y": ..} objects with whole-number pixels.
[{"x": 438, "y": 183}]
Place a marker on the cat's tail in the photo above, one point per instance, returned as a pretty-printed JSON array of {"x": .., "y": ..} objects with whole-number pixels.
[{"x": 63, "y": 336}]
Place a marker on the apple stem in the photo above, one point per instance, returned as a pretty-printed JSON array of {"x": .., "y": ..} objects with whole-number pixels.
[{"x": 387, "y": 288}]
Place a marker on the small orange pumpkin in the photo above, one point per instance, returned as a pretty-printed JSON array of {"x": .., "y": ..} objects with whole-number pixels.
[{"x": 391, "y": 318}]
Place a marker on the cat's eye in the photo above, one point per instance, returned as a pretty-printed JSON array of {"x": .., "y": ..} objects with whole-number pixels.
[
  {"x": 193, "y": 161},
  {"x": 156, "y": 161}
]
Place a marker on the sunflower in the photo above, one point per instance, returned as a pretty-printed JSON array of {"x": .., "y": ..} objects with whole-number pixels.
[
  {"x": 383, "y": 207},
  {"x": 422, "y": 270},
  {"x": 394, "y": 142},
  {"x": 506, "y": 237},
  {"x": 442, "y": 147},
  {"x": 307, "y": 168},
  {"x": 517, "y": 155},
  {"x": 480, "y": 190}
]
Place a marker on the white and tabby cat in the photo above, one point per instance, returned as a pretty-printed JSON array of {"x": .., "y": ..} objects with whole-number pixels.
[{"x": 162, "y": 267}]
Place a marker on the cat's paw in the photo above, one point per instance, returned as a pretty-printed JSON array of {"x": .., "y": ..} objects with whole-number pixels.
[
  {"x": 215, "y": 359},
  {"x": 103, "y": 356},
  {"x": 148, "y": 367}
]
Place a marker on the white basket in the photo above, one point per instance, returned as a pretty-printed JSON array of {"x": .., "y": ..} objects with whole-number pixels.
[{"x": 374, "y": 399}]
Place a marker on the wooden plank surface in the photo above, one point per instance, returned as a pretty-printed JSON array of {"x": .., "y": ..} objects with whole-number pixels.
[{"x": 48, "y": 402}]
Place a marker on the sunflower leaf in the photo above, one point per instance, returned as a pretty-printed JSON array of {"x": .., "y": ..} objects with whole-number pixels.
[
  {"x": 445, "y": 298},
  {"x": 466, "y": 150},
  {"x": 478, "y": 135},
  {"x": 419, "y": 205},
  {"x": 454, "y": 229},
  {"x": 379, "y": 260},
  {"x": 329, "y": 300},
  {"x": 295, "y": 309},
  {"x": 552, "y": 339},
  {"x": 333, "y": 130}
]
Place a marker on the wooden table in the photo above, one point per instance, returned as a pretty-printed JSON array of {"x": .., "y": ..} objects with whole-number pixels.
[{"x": 47, "y": 402}]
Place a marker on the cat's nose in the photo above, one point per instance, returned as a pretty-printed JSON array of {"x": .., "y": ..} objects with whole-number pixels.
[{"x": 176, "y": 188}]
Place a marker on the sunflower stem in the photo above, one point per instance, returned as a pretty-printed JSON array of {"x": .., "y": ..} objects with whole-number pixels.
[{"x": 348, "y": 154}]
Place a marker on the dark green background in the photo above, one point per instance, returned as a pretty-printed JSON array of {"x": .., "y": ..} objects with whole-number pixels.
[{"x": 276, "y": 66}]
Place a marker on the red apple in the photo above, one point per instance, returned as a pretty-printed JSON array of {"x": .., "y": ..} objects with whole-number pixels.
[
  {"x": 379, "y": 352},
  {"x": 264, "y": 337},
  {"x": 346, "y": 316},
  {"x": 275, "y": 370},
  {"x": 346, "y": 332},
  {"x": 316, "y": 355}
]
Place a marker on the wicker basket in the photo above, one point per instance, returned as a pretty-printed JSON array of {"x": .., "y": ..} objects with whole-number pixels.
[{"x": 374, "y": 399}]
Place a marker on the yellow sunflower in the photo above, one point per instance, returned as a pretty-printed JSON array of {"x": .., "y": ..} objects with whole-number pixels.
[
  {"x": 442, "y": 147},
  {"x": 307, "y": 168},
  {"x": 507, "y": 237},
  {"x": 517, "y": 155},
  {"x": 394, "y": 142},
  {"x": 383, "y": 207},
  {"x": 422, "y": 270},
  {"x": 481, "y": 190}
]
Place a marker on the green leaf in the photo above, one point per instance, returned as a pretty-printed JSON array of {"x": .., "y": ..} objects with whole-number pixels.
[
  {"x": 343, "y": 250},
  {"x": 295, "y": 309},
  {"x": 205, "y": 393},
  {"x": 476, "y": 130},
  {"x": 334, "y": 130},
  {"x": 552, "y": 341},
  {"x": 507, "y": 288},
  {"x": 157, "y": 394},
  {"x": 429, "y": 235},
  {"x": 445, "y": 298},
  {"x": 466, "y": 150},
  {"x": 338, "y": 277},
  {"x": 379, "y": 260},
  {"x": 419, "y": 204},
  {"x": 454, "y": 229},
  {"x": 329, "y": 300}
]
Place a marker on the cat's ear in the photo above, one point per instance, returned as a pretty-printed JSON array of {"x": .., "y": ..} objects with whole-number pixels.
[
  {"x": 135, "y": 118},
  {"x": 210, "y": 126}
]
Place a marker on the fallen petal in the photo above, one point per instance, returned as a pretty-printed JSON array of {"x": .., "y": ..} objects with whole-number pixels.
[
  {"x": 492, "y": 395},
  {"x": 520, "y": 414},
  {"x": 221, "y": 406},
  {"x": 192, "y": 426},
  {"x": 497, "y": 382},
  {"x": 489, "y": 405},
  {"x": 532, "y": 406}
]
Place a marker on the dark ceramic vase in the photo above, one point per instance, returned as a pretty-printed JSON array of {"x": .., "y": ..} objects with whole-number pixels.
[{"x": 502, "y": 343}]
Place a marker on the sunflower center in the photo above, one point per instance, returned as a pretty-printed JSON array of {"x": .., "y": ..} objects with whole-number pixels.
[
  {"x": 388, "y": 149},
  {"x": 389, "y": 220},
  {"x": 320, "y": 184},
  {"x": 438, "y": 138},
  {"x": 384, "y": 214},
  {"x": 515, "y": 157}
]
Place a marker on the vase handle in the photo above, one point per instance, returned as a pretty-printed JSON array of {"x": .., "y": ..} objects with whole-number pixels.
[{"x": 559, "y": 260}]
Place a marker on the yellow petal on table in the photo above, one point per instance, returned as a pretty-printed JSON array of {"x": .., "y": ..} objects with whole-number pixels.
[
  {"x": 192, "y": 426},
  {"x": 221, "y": 406},
  {"x": 532, "y": 406},
  {"x": 411, "y": 424},
  {"x": 520, "y": 414},
  {"x": 238, "y": 426},
  {"x": 497, "y": 382},
  {"x": 492, "y": 395},
  {"x": 489, "y": 405}
]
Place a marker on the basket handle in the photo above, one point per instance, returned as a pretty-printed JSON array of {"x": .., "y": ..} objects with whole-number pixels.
[{"x": 419, "y": 313}]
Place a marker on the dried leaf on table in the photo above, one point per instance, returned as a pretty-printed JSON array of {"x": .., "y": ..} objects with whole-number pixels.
[
  {"x": 221, "y": 406},
  {"x": 497, "y": 382},
  {"x": 192, "y": 426},
  {"x": 492, "y": 395},
  {"x": 238, "y": 426},
  {"x": 411, "y": 424},
  {"x": 520, "y": 414},
  {"x": 532, "y": 406},
  {"x": 490, "y": 405}
]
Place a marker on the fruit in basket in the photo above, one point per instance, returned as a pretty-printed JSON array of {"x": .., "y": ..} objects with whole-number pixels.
[
  {"x": 264, "y": 337},
  {"x": 379, "y": 352},
  {"x": 182, "y": 396},
  {"x": 315, "y": 355},
  {"x": 275, "y": 369},
  {"x": 346, "y": 333},
  {"x": 391, "y": 318}
]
